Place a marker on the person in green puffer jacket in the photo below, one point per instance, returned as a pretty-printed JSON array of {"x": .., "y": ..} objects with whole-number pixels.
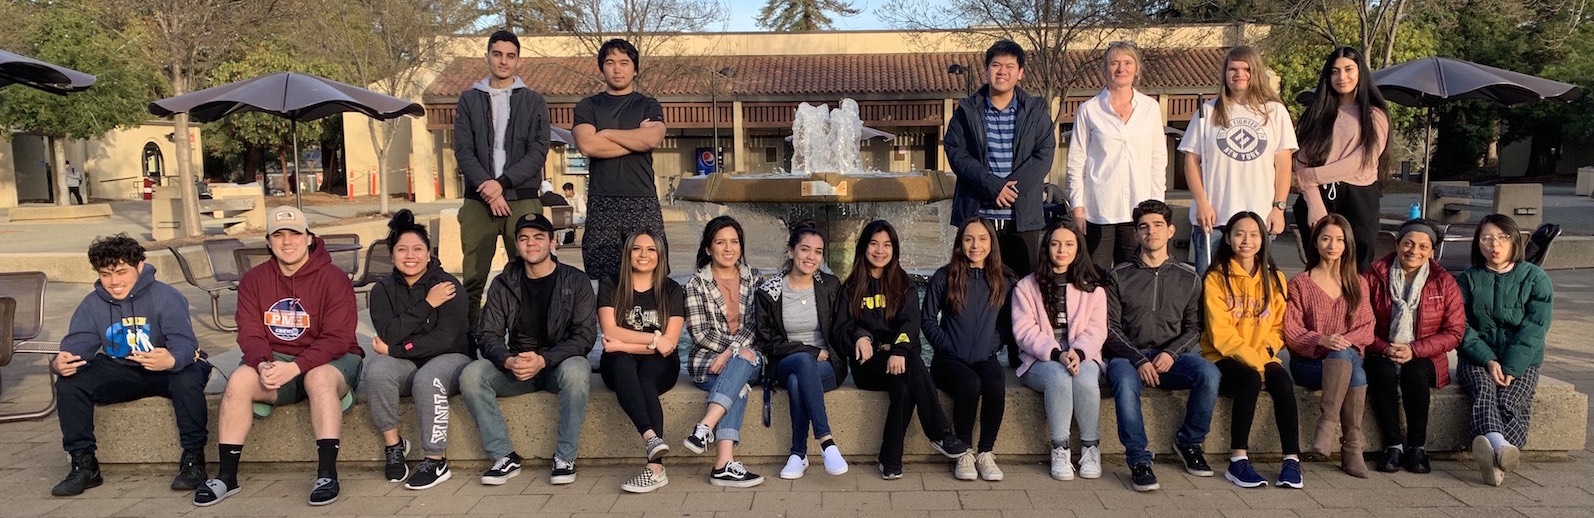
[{"x": 1508, "y": 303}]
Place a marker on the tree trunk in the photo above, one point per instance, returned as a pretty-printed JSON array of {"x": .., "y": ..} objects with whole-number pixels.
[
  {"x": 185, "y": 166},
  {"x": 57, "y": 153},
  {"x": 380, "y": 144}
]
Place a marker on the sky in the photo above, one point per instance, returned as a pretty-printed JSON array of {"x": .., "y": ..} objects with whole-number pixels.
[{"x": 744, "y": 16}]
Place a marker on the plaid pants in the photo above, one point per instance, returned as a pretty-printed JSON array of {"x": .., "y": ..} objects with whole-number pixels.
[
  {"x": 1506, "y": 410},
  {"x": 610, "y": 219}
]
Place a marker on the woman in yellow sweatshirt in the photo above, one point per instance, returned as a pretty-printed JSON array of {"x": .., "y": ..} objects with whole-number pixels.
[{"x": 1243, "y": 305}]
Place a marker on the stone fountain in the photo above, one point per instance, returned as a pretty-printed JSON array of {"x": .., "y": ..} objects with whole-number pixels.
[{"x": 827, "y": 184}]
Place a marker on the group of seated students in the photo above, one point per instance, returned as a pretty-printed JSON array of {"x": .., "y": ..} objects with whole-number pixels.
[{"x": 1148, "y": 322}]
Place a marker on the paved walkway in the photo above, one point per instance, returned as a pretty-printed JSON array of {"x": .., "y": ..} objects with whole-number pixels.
[{"x": 31, "y": 460}]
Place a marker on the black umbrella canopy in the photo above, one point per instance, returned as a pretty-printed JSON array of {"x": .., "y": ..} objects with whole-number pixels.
[
  {"x": 1433, "y": 81},
  {"x": 290, "y": 95},
  {"x": 22, "y": 70}
]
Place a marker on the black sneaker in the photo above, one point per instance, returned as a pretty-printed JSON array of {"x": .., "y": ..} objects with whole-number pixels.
[
  {"x": 563, "y": 472},
  {"x": 212, "y": 491},
  {"x": 429, "y": 473},
  {"x": 734, "y": 475},
  {"x": 190, "y": 471},
  {"x": 950, "y": 446},
  {"x": 396, "y": 470},
  {"x": 85, "y": 474},
  {"x": 700, "y": 439},
  {"x": 324, "y": 491},
  {"x": 1391, "y": 461},
  {"x": 503, "y": 469},
  {"x": 1417, "y": 460},
  {"x": 655, "y": 448},
  {"x": 890, "y": 473},
  {"x": 1195, "y": 460},
  {"x": 1143, "y": 478}
]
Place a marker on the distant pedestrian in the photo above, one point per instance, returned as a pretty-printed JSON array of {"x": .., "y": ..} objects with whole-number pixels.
[{"x": 74, "y": 182}]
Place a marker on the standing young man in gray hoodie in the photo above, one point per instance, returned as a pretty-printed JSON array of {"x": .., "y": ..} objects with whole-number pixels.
[{"x": 501, "y": 144}]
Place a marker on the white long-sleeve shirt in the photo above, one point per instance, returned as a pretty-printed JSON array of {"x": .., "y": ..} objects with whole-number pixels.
[{"x": 1114, "y": 165}]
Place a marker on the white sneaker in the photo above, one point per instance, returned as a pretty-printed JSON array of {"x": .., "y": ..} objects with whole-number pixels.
[
  {"x": 964, "y": 469},
  {"x": 834, "y": 464},
  {"x": 985, "y": 463},
  {"x": 1090, "y": 462},
  {"x": 1062, "y": 463},
  {"x": 795, "y": 466}
]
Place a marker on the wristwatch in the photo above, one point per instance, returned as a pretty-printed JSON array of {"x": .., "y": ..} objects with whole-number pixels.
[{"x": 1281, "y": 205}]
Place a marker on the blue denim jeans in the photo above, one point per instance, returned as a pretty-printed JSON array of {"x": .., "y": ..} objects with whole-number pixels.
[
  {"x": 806, "y": 380},
  {"x": 482, "y": 384},
  {"x": 1189, "y": 372},
  {"x": 729, "y": 390},
  {"x": 1067, "y": 396},
  {"x": 1309, "y": 372},
  {"x": 1202, "y": 246}
]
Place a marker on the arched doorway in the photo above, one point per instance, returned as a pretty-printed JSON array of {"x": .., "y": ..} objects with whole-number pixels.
[{"x": 154, "y": 162}]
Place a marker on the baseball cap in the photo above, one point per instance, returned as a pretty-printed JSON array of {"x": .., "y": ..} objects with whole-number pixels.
[
  {"x": 286, "y": 218},
  {"x": 534, "y": 220}
]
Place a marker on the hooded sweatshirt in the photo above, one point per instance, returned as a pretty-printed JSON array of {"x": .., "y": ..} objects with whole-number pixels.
[
  {"x": 1239, "y": 324},
  {"x": 409, "y": 325},
  {"x": 310, "y": 315},
  {"x": 154, "y": 314},
  {"x": 971, "y": 336},
  {"x": 501, "y": 135}
]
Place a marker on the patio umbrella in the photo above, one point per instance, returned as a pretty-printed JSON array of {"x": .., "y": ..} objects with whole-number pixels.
[
  {"x": 295, "y": 96},
  {"x": 56, "y": 79},
  {"x": 1428, "y": 82},
  {"x": 558, "y": 135}
]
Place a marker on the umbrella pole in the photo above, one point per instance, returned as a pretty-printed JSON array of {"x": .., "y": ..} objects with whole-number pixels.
[
  {"x": 298, "y": 199},
  {"x": 1427, "y": 156}
]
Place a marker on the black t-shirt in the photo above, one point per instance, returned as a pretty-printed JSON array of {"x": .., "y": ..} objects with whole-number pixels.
[
  {"x": 629, "y": 175},
  {"x": 536, "y": 296},
  {"x": 644, "y": 315},
  {"x": 1060, "y": 320}
]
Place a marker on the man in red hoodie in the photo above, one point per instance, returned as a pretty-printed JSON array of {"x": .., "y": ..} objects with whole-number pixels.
[{"x": 296, "y": 319}]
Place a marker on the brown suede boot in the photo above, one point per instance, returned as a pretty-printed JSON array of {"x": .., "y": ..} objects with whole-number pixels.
[
  {"x": 1336, "y": 379},
  {"x": 1350, "y": 447}
]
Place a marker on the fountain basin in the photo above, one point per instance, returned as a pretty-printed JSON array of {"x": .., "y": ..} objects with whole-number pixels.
[{"x": 726, "y": 189}]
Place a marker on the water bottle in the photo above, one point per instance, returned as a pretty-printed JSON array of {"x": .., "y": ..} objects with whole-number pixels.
[{"x": 1416, "y": 212}]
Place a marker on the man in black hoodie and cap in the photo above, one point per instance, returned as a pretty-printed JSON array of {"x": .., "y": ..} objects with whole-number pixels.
[{"x": 129, "y": 339}]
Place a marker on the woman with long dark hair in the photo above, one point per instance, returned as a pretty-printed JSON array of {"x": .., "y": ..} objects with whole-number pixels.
[
  {"x": 1343, "y": 134},
  {"x": 719, "y": 314},
  {"x": 884, "y": 309},
  {"x": 1419, "y": 320},
  {"x": 963, "y": 319},
  {"x": 420, "y": 347},
  {"x": 1243, "y": 305},
  {"x": 1508, "y": 305},
  {"x": 1327, "y": 324},
  {"x": 641, "y": 312},
  {"x": 1060, "y": 323},
  {"x": 799, "y": 330},
  {"x": 1237, "y": 154}
]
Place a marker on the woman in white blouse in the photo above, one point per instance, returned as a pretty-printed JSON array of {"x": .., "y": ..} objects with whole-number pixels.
[{"x": 1117, "y": 157}]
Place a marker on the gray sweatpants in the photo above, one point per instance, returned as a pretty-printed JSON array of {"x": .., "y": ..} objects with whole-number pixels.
[{"x": 385, "y": 379}]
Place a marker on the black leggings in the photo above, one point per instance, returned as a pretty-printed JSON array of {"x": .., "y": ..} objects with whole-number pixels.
[
  {"x": 1390, "y": 384},
  {"x": 1359, "y": 205},
  {"x": 968, "y": 384},
  {"x": 1244, "y": 384},
  {"x": 637, "y": 382},
  {"x": 913, "y": 388}
]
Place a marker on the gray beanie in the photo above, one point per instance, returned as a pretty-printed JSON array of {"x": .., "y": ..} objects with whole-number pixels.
[{"x": 1418, "y": 225}]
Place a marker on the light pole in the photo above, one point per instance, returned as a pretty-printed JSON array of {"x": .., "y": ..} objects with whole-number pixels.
[{"x": 714, "y": 107}]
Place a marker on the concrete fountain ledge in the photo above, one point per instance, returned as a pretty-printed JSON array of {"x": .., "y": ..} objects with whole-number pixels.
[{"x": 144, "y": 431}]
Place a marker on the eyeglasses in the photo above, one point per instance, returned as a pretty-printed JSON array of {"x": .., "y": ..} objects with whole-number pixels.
[{"x": 1494, "y": 238}]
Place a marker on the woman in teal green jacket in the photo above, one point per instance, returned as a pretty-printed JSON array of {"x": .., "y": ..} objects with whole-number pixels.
[{"x": 1508, "y": 305}]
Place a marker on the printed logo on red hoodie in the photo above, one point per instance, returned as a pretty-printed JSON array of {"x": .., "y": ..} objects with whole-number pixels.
[{"x": 287, "y": 319}]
